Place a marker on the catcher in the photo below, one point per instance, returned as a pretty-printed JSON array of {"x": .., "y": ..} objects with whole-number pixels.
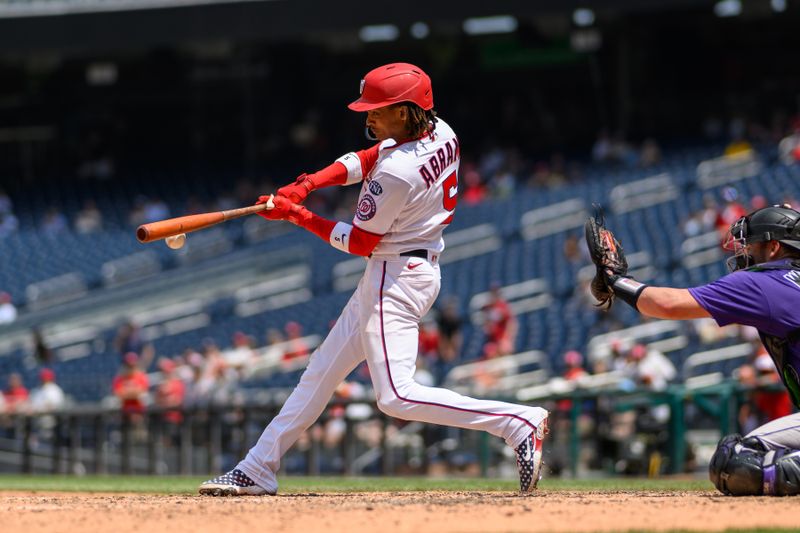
[{"x": 763, "y": 291}]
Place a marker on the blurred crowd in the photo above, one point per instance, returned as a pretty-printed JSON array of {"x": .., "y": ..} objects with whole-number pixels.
[
  {"x": 210, "y": 374},
  {"x": 496, "y": 171},
  {"x": 718, "y": 214}
]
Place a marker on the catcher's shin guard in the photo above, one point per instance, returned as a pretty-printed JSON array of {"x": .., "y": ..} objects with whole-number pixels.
[
  {"x": 742, "y": 467},
  {"x": 781, "y": 473},
  {"x": 734, "y": 469}
]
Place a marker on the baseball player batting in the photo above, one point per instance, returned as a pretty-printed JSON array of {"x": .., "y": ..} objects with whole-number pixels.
[
  {"x": 409, "y": 186},
  {"x": 762, "y": 291}
]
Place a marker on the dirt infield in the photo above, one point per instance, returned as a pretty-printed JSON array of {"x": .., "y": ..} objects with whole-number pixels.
[{"x": 416, "y": 512}]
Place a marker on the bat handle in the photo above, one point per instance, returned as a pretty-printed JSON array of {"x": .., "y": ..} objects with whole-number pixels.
[{"x": 231, "y": 214}]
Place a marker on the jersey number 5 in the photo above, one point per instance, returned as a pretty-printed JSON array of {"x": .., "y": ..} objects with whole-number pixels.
[{"x": 450, "y": 195}]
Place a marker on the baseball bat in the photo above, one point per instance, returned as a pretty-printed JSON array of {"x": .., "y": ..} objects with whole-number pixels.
[{"x": 175, "y": 226}]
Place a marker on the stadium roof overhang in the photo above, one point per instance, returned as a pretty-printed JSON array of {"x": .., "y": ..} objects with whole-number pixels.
[{"x": 95, "y": 24}]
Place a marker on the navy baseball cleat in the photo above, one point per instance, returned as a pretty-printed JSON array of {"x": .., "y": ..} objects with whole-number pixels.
[
  {"x": 529, "y": 459},
  {"x": 234, "y": 483}
]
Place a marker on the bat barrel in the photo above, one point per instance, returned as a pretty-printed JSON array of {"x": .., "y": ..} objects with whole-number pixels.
[
  {"x": 142, "y": 233},
  {"x": 154, "y": 231}
]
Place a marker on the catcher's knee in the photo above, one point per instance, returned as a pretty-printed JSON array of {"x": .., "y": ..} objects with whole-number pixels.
[{"x": 742, "y": 467}]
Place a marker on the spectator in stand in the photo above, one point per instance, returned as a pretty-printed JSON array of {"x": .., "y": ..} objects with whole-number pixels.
[
  {"x": 490, "y": 351},
  {"x": 449, "y": 322},
  {"x": 622, "y": 151},
  {"x": 213, "y": 360},
  {"x": 218, "y": 384},
  {"x": 748, "y": 417},
  {"x": 738, "y": 147},
  {"x": 652, "y": 370},
  {"x": 485, "y": 377},
  {"x": 54, "y": 222},
  {"x": 185, "y": 364},
  {"x": 429, "y": 351},
  {"x": 130, "y": 386},
  {"x": 155, "y": 209},
  {"x": 761, "y": 405},
  {"x": 242, "y": 353},
  {"x": 490, "y": 163},
  {"x": 16, "y": 395},
  {"x": 129, "y": 339},
  {"x": 574, "y": 252},
  {"x": 601, "y": 150},
  {"x": 573, "y": 371},
  {"x": 619, "y": 349},
  {"x": 274, "y": 336},
  {"x": 46, "y": 398},
  {"x": 428, "y": 339},
  {"x": 136, "y": 216},
  {"x": 731, "y": 212},
  {"x": 89, "y": 219},
  {"x": 789, "y": 147},
  {"x": 650, "y": 153},
  {"x": 199, "y": 388},
  {"x": 8, "y": 313},
  {"x": 295, "y": 345},
  {"x": 500, "y": 324},
  {"x": 573, "y": 363},
  {"x": 474, "y": 189},
  {"x": 773, "y": 404},
  {"x": 170, "y": 393},
  {"x": 335, "y": 428},
  {"x": 707, "y": 217},
  {"x": 502, "y": 184},
  {"x": 758, "y": 202},
  {"x": 274, "y": 344}
]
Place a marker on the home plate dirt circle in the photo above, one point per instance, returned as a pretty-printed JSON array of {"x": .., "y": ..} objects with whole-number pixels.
[{"x": 413, "y": 512}]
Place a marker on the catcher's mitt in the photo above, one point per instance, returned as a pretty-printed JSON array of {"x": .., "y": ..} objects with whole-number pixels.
[{"x": 607, "y": 255}]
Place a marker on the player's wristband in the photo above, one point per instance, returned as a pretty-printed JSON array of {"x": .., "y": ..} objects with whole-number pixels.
[
  {"x": 340, "y": 235},
  {"x": 627, "y": 289}
]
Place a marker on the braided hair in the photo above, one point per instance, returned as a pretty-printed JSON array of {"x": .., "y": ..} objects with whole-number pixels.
[{"x": 420, "y": 121}]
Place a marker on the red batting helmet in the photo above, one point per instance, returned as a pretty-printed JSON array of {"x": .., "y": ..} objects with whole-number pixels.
[{"x": 394, "y": 83}]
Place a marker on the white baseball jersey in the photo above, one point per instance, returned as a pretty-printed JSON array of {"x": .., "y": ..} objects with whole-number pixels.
[{"x": 409, "y": 195}]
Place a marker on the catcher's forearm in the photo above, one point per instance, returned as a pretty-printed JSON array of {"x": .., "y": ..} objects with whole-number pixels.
[{"x": 669, "y": 303}]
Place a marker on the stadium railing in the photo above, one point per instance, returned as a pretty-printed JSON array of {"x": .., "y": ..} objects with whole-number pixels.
[{"x": 211, "y": 438}]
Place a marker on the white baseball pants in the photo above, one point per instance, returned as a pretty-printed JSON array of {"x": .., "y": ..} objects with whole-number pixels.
[{"x": 380, "y": 323}]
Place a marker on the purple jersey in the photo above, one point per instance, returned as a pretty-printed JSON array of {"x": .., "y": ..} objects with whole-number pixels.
[{"x": 766, "y": 297}]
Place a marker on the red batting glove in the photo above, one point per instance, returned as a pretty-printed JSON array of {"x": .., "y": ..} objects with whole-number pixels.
[
  {"x": 284, "y": 210},
  {"x": 299, "y": 190},
  {"x": 262, "y": 200}
]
